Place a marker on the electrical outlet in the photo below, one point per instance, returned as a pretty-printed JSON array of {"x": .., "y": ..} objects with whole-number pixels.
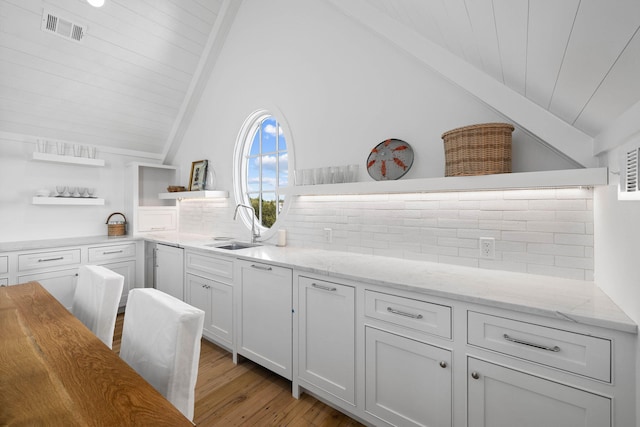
[
  {"x": 328, "y": 235},
  {"x": 487, "y": 247}
]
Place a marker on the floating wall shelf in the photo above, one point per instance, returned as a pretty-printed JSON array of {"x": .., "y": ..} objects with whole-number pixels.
[
  {"x": 205, "y": 194},
  {"x": 71, "y": 160},
  {"x": 67, "y": 201},
  {"x": 508, "y": 181}
]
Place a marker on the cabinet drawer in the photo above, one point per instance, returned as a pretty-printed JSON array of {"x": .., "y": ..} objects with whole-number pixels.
[
  {"x": 157, "y": 219},
  {"x": 581, "y": 354},
  {"x": 415, "y": 314},
  {"x": 106, "y": 253},
  {"x": 220, "y": 269},
  {"x": 4, "y": 264},
  {"x": 32, "y": 261}
]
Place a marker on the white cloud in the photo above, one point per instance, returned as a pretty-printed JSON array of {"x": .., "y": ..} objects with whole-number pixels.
[{"x": 271, "y": 129}]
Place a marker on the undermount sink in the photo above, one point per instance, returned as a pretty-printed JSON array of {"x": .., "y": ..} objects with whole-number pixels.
[{"x": 233, "y": 246}]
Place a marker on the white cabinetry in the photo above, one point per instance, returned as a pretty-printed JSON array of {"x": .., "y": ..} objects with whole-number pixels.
[
  {"x": 122, "y": 259},
  {"x": 326, "y": 347},
  {"x": 169, "y": 273},
  {"x": 60, "y": 283},
  {"x": 56, "y": 268},
  {"x": 4, "y": 270},
  {"x": 503, "y": 397},
  {"x": 145, "y": 210},
  {"x": 209, "y": 287},
  {"x": 408, "y": 379},
  {"x": 265, "y": 316},
  {"x": 408, "y": 382}
]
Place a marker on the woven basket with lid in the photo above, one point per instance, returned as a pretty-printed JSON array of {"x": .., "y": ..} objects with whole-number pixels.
[{"x": 480, "y": 149}]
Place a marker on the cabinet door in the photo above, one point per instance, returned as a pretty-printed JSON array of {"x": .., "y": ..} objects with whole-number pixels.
[
  {"x": 407, "y": 382},
  {"x": 170, "y": 270},
  {"x": 61, "y": 284},
  {"x": 216, "y": 300},
  {"x": 327, "y": 336},
  {"x": 128, "y": 270},
  {"x": 265, "y": 329},
  {"x": 503, "y": 397}
]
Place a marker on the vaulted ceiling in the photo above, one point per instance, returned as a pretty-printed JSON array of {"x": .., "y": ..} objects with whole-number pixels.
[{"x": 564, "y": 70}]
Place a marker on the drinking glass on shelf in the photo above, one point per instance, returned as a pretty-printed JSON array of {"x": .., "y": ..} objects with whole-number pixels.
[
  {"x": 77, "y": 150},
  {"x": 70, "y": 191},
  {"x": 91, "y": 152},
  {"x": 61, "y": 148},
  {"x": 61, "y": 189},
  {"x": 90, "y": 191},
  {"x": 41, "y": 145},
  {"x": 82, "y": 191}
]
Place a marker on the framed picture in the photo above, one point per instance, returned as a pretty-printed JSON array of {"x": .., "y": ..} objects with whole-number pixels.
[{"x": 198, "y": 175}]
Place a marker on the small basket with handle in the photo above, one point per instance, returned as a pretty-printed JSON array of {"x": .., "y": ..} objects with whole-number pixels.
[{"x": 117, "y": 228}]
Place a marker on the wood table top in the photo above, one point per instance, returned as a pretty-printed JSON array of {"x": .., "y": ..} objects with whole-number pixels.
[{"x": 55, "y": 371}]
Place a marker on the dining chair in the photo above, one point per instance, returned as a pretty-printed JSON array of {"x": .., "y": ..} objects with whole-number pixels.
[
  {"x": 96, "y": 300},
  {"x": 161, "y": 341}
]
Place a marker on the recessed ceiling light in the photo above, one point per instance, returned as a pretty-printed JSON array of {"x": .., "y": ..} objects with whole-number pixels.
[{"x": 96, "y": 3}]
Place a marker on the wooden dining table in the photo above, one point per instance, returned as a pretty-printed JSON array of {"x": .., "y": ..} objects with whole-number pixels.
[{"x": 55, "y": 371}]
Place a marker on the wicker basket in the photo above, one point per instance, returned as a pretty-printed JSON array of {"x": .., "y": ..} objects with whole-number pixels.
[
  {"x": 117, "y": 228},
  {"x": 480, "y": 149}
]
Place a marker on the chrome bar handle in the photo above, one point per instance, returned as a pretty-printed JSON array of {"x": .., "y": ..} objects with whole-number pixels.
[
  {"x": 50, "y": 259},
  {"x": 259, "y": 267},
  {"x": 555, "y": 348},
  {"x": 112, "y": 252},
  {"x": 404, "y": 313},
  {"x": 324, "y": 288}
]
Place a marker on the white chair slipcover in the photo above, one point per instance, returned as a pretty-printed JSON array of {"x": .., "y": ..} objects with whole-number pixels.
[
  {"x": 161, "y": 341},
  {"x": 96, "y": 300}
]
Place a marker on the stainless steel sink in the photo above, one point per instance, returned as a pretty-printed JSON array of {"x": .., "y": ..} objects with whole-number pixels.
[{"x": 233, "y": 246}]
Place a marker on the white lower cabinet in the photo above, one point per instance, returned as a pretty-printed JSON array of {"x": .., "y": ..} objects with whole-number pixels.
[
  {"x": 216, "y": 300},
  {"x": 504, "y": 397},
  {"x": 169, "y": 271},
  {"x": 265, "y": 324},
  {"x": 326, "y": 348},
  {"x": 128, "y": 270},
  {"x": 407, "y": 382},
  {"x": 61, "y": 284}
]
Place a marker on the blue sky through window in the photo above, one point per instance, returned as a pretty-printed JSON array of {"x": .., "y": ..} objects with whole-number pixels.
[{"x": 267, "y": 161}]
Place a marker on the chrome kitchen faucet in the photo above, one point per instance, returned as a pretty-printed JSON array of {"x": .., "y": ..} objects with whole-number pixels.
[{"x": 254, "y": 235}]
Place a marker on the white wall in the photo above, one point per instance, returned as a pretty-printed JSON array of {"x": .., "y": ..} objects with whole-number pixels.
[
  {"x": 340, "y": 89},
  {"x": 617, "y": 247},
  {"x": 21, "y": 177}
]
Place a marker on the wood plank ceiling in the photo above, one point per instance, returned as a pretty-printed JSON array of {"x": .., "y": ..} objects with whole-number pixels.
[
  {"x": 128, "y": 84},
  {"x": 122, "y": 86},
  {"x": 578, "y": 59}
]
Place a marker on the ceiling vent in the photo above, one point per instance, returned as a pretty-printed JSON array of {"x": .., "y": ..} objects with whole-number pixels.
[
  {"x": 54, "y": 24},
  {"x": 629, "y": 182}
]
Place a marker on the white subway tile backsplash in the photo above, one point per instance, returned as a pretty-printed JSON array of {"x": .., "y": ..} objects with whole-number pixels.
[{"x": 548, "y": 232}]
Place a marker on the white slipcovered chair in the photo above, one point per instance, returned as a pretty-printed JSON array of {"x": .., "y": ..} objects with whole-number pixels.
[
  {"x": 161, "y": 341},
  {"x": 96, "y": 300}
]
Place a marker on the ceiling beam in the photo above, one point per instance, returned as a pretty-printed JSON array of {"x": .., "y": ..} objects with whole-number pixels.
[
  {"x": 210, "y": 54},
  {"x": 548, "y": 128}
]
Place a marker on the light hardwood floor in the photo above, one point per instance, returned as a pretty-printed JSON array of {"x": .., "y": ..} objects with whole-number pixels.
[{"x": 247, "y": 394}]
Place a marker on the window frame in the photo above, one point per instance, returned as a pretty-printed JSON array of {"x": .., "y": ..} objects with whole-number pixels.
[{"x": 242, "y": 149}]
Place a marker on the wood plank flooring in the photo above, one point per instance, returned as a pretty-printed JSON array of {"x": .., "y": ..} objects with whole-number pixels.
[{"x": 247, "y": 394}]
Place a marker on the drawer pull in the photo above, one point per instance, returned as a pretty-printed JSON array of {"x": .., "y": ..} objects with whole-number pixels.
[
  {"x": 475, "y": 375},
  {"x": 51, "y": 259},
  {"x": 404, "y": 313},
  {"x": 324, "y": 288},
  {"x": 443, "y": 364},
  {"x": 555, "y": 348},
  {"x": 112, "y": 252},
  {"x": 260, "y": 267}
]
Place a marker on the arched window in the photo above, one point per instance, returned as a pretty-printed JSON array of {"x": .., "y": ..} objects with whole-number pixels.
[{"x": 261, "y": 169}]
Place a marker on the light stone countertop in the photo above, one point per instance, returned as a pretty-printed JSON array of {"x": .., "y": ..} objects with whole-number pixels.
[{"x": 567, "y": 299}]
